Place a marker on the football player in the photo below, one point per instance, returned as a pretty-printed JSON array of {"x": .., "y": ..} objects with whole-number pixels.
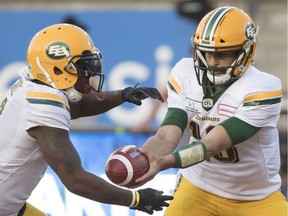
[
  {"x": 63, "y": 81},
  {"x": 221, "y": 125}
]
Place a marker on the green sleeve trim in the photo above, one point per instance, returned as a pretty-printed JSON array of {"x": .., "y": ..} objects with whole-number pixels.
[
  {"x": 177, "y": 159},
  {"x": 175, "y": 116},
  {"x": 48, "y": 102},
  {"x": 263, "y": 102},
  {"x": 239, "y": 130},
  {"x": 189, "y": 155}
]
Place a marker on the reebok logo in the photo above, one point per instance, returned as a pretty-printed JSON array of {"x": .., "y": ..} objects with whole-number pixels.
[{"x": 226, "y": 110}]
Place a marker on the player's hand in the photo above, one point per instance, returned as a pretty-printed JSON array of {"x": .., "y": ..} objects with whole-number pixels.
[
  {"x": 150, "y": 200},
  {"x": 155, "y": 166},
  {"x": 136, "y": 94}
]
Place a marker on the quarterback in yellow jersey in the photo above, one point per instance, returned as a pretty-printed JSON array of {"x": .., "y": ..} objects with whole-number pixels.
[
  {"x": 63, "y": 81},
  {"x": 221, "y": 125}
]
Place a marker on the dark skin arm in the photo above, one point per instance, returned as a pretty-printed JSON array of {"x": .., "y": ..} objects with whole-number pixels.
[
  {"x": 95, "y": 103},
  {"x": 63, "y": 158}
]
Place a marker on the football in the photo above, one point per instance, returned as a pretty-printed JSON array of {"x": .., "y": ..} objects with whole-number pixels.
[{"x": 125, "y": 165}]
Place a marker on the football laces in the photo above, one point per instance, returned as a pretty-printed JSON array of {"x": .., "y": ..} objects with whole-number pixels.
[{"x": 126, "y": 148}]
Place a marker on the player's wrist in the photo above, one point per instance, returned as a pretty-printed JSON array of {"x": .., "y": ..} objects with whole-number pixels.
[
  {"x": 135, "y": 199},
  {"x": 189, "y": 155},
  {"x": 124, "y": 93},
  {"x": 167, "y": 161}
]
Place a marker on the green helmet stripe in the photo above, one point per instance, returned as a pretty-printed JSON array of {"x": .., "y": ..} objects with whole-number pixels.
[{"x": 213, "y": 22}]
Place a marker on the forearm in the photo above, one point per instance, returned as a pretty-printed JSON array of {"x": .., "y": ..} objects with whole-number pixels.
[
  {"x": 99, "y": 102},
  {"x": 164, "y": 141},
  {"x": 214, "y": 142},
  {"x": 96, "y": 103},
  {"x": 95, "y": 188},
  {"x": 155, "y": 145}
]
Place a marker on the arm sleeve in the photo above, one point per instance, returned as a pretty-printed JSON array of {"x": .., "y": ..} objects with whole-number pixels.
[
  {"x": 47, "y": 109},
  {"x": 260, "y": 108},
  {"x": 175, "y": 116},
  {"x": 262, "y": 104},
  {"x": 238, "y": 130}
]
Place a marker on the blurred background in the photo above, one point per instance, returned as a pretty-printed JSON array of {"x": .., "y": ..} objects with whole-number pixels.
[{"x": 140, "y": 42}]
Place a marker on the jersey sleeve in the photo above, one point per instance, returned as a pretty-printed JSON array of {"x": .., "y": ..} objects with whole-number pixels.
[
  {"x": 47, "y": 109},
  {"x": 175, "y": 88},
  {"x": 262, "y": 103}
]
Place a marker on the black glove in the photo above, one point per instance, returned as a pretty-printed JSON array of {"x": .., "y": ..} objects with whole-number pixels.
[
  {"x": 150, "y": 200},
  {"x": 136, "y": 94}
]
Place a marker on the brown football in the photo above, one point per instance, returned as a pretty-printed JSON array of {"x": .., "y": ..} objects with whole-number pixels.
[{"x": 125, "y": 165}]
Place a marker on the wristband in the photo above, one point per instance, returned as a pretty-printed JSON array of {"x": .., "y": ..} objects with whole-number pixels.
[
  {"x": 135, "y": 199},
  {"x": 189, "y": 155}
]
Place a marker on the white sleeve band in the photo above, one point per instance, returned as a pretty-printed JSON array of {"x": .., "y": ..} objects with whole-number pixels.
[{"x": 133, "y": 199}]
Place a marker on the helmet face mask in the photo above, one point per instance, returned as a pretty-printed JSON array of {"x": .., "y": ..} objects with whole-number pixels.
[
  {"x": 219, "y": 75},
  {"x": 59, "y": 54},
  {"x": 225, "y": 29},
  {"x": 89, "y": 66}
]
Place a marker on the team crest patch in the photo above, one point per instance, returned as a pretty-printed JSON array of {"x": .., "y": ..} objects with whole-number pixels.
[
  {"x": 251, "y": 32},
  {"x": 226, "y": 110},
  {"x": 57, "y": 50}
]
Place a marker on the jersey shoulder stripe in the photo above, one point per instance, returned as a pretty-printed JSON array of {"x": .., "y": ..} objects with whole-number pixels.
[
  {"x": 173, "y": 85},
  {"x": 47, "y": 99},
  {"x": 263, "y": 98}
]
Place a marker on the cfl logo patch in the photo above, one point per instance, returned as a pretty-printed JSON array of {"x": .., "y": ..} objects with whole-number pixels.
[{"x": 57, "y": 50}]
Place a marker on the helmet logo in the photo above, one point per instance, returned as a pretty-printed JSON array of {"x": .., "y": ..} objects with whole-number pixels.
[
  {"x": 57, "y": 50},
  {"x": 251, "y": 32}
]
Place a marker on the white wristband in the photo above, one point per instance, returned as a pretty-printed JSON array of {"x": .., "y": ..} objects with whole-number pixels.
[{"x": 133, "y": 199}]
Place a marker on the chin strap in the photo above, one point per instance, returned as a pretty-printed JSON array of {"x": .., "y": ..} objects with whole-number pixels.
[{"x": 72, "y": 94}]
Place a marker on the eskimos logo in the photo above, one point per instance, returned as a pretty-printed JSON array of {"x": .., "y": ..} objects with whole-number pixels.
[
  {"x": 57, "y": 50},
  {"x": 251, "y": 32}
]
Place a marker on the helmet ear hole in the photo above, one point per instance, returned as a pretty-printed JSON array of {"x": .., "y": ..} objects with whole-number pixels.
[
  {"x": 57, "y": 71},
  {"x": 222, "y": 41}
]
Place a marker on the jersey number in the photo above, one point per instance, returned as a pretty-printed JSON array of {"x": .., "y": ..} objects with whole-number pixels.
[
  {"x": 12, "y": 90},
  {"x": 230, "y": 155},
  {"x": 3, "y": 105}
]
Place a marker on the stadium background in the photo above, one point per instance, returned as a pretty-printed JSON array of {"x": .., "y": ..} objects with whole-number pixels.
[{"x": 140, "y": 42}]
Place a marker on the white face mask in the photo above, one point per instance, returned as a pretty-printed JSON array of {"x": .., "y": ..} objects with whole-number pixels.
[
  {"x": 72, "y": 94},
  {"x": 220, "y": 78},
  {"x": 75, "y": 96},
  {"x": 94, "y": 82}
]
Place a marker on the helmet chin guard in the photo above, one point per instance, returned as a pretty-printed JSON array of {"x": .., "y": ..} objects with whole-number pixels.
[
  {"x": 219, "y": 79},
  {"x": 72, "y": 94}
]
